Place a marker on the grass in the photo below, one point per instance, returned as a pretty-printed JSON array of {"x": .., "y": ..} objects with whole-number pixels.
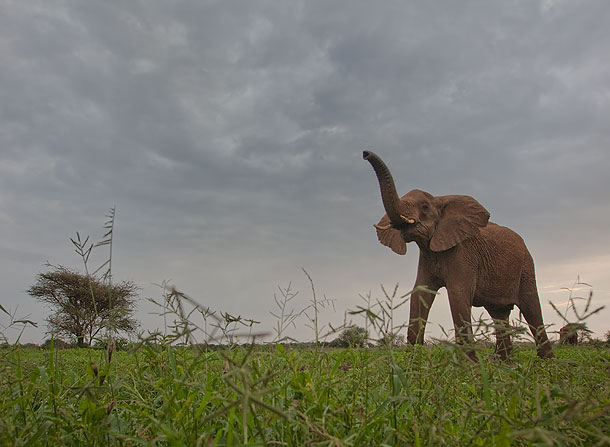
[
  {"x": 275, "y": 395},
  {"x": 161, "y": 394}
]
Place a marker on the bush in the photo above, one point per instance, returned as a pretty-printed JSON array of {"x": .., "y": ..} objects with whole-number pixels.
[
  {"x": 57, "y": 343},
  {"x": 353, "y": 336},
  {"x": 574, "y": 333},
  {"x": 394, "y": 340},
  {"x": 121, "y": 344}
]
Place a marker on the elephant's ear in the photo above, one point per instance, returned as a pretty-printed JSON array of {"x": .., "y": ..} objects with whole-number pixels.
[
  {"x": 461, "y": 217},
  {"x": 391, "y": 237}
]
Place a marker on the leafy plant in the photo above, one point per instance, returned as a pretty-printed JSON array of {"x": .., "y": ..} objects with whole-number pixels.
[
  {"x": 353, "y": 336},
  {"x": 285, "y": 317},
  {"x": 313, "y": 309},
  {"x": 13, "y": 323},
  {"x": 579, "y": 315}
]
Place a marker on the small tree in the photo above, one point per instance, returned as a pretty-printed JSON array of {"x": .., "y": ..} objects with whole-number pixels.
[
  {"x": 353, "y": 336},
  {"x": 83, "y": 304}
]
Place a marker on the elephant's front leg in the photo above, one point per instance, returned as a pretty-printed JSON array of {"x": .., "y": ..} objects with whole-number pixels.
[
  {"x": 460, "y": 300},
  {"x": 421, "y": 300}
]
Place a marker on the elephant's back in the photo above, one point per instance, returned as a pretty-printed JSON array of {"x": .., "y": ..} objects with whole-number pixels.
[
  {"x": 499, "y": 232},
  {"x": 504, "y": 246}
]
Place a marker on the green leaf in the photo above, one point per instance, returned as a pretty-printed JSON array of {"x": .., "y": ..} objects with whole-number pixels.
[{"x": 33, "y": 323}]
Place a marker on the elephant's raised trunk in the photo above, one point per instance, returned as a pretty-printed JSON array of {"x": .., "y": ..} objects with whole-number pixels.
[{"x": 389, "y": 196}]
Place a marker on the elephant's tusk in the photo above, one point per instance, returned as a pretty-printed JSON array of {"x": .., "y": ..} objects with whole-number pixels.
[
  {"x": 382, "y": 227},
  {"x": 406, "y": 219}
]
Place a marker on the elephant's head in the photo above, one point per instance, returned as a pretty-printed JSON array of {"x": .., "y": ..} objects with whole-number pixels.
[{"x": 436, "y": 223}]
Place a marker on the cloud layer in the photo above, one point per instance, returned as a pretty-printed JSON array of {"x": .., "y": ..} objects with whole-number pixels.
[{"x": 229, "y": 137}]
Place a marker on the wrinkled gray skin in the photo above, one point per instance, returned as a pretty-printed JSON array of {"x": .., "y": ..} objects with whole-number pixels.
[{"x": 480, "y": 263}]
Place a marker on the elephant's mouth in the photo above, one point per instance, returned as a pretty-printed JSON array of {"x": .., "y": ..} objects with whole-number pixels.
[{"x": 404, "y": 220}]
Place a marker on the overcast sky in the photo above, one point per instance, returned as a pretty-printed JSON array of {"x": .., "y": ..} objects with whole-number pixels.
[{"x": 229, "y": 136}]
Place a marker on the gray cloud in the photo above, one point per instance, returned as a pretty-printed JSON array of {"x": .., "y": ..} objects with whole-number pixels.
[{"x": 229, "y": 137}]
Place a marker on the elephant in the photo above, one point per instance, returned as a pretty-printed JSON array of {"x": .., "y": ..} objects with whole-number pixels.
[
  {"x": 480, "y": 263},
  {"x": 568, "y": 334}
]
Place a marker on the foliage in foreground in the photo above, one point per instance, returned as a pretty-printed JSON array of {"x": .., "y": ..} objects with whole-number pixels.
[
  {"x": 159, "y": 394},
  {"x": 270, "y": 395}
]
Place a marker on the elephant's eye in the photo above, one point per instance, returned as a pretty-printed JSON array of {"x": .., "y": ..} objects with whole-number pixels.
[{"x": 425, "y": 207}]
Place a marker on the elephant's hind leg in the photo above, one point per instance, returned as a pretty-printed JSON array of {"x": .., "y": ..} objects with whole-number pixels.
[{"x": 529, "y": 304}]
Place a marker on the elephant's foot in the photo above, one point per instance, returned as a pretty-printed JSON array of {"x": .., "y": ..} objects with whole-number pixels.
[
  {"x": 472, "y": 356},
  {"x": 503, "y": 351},
  {"x": 503, "y": 355},
  {"x": 544, "y": 349},
  {"x": 467, "y": 350},
  {"x": 546, "y": 354}
]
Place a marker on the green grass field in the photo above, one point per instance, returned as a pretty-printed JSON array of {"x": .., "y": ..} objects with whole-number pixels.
[{"x": 276, "y": 396}]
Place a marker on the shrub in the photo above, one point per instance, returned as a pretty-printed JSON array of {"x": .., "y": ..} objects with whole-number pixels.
[
  {"x": 353, "y": 336},
  {"x": 56, "y": 343}
]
